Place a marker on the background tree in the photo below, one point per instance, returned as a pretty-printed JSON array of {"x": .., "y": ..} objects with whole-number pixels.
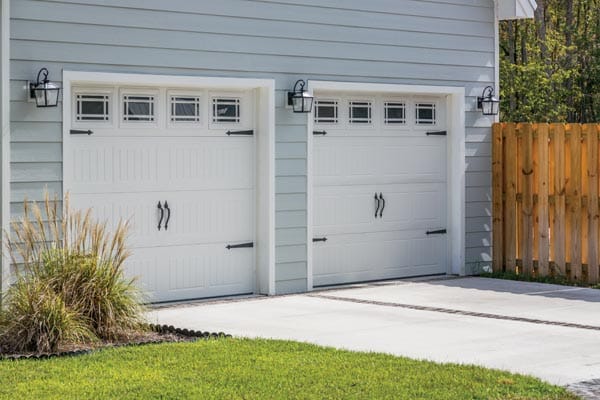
[{"x": 550, "y": 66}]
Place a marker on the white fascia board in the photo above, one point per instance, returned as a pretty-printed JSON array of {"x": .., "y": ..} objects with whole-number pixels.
[
  {"x": 174, "y": 81},
  {"x": 516, "y": 9}
]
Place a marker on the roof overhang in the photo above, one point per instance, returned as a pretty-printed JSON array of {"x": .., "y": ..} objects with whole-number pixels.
[{"x": 516, "y": 9}]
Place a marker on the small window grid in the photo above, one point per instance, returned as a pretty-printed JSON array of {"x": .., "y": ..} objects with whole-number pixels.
[
  {"x": 425, "y": 113},
  {"x": 226, "y": 110},
  {"x": 359, "y": 112},
  {"x": 326, "y": 111},
  {"x": 92, "y": 108},
  {"x": 395, "y": 113},
  {"x": 138, "y": 108},
  {"x": 185, "y": 109}
]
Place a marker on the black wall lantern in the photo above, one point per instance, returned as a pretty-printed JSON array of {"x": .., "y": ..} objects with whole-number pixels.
[
  {"x": 43, "y": 91},
  {"x": 487, "y": 103},
  {"x": 299, "y": 99}
]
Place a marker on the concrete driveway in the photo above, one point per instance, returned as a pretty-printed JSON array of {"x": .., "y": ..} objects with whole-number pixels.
[{"x": 548, "y": 331}]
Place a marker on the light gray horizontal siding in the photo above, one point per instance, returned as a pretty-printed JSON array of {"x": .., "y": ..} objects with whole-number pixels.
[{"x": 436, "y": 42}]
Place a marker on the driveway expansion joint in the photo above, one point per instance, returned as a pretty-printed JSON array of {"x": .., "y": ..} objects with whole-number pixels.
[{"x": 457, "y": 312}]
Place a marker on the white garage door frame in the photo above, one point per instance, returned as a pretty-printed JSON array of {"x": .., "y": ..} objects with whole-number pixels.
[
  {"x": 265, "y": 150},
  {"x": 455, "y": 114}
]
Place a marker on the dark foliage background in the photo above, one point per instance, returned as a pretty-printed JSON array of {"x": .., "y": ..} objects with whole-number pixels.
[{"x": 550, "y": 66}]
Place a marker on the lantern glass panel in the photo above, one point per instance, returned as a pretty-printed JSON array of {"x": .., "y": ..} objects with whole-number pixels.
[
  {"x": 302, "y": 102},
  {"x": 490, "y": 106}
]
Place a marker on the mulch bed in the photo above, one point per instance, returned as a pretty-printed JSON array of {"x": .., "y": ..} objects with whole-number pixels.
[{"x": 155, "y": 334}]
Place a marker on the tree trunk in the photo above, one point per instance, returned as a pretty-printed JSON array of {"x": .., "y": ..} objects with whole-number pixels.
[{"x": 569, "y": 28}]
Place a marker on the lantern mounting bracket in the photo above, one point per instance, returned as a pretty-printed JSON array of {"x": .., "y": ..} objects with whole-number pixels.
[
  {"x": 43, "y": 91},
  {"x": 32, "y": 85}
]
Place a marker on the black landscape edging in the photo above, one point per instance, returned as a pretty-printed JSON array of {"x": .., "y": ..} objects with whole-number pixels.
[{"x": 189, "y": 334}]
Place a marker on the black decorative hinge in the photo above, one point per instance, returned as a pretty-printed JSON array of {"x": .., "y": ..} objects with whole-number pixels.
[
  {"x": 80, "y": 132},
  {"x": 323, "y": 239},
  {"x": 243, "y": 133},
  {"x": 322, "y": 133},
  {"x": 438, "y": 232},
  {"x": 239, "y": 246},
  {"x": 437, "y": 133}
]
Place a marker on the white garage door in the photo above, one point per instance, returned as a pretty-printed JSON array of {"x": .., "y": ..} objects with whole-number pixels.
[
  {"x": 180, "y": 167},
  {"x": 379, "y": 188}
]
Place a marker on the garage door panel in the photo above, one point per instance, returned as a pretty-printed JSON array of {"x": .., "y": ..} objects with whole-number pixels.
[
  {"x": 214, "y": 216},
  {"x": 210, "y": 164},
  {"x": 141, "y": 213},
  {"x": 152, "y": 164},
  {"x": 414, "y": 206},
  {"x": 196, "y": 217},
  {"x": 379, "y": 160},
  {"x": 344, "y": 209},
  {"x": 105, "y": 165},
  {"x": 343, "y": 160},
  {"x": 415, "y": 162},
  {"x": 382, "y": 255},
  {"x": 180, "y": 272}
]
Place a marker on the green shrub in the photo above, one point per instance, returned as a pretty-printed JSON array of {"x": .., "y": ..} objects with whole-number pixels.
[
  {"x": 70, "y": 284},
  {"x": 96, "y": 289},
  {"x": 38, "y": 320}
]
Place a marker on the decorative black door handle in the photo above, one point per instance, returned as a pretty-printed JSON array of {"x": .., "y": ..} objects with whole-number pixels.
[
  {"x": 377, "y": 208},
  {"x": 168, "y": 215},
  {"x": 383, "y": 205},
  {"x": 162, "y": 214}
]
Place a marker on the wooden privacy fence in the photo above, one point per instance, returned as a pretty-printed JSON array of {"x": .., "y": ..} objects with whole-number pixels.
[{"x": 545, "y": 200}]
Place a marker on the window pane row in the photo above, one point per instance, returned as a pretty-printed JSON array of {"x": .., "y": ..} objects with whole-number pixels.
[
  {"x": 142, "y": 108},
  {"x": 360, "y": 112}
]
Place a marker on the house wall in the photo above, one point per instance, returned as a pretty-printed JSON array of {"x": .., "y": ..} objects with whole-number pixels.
[
  {"x": 438, "y": 42},
  {"x": 4, "y": 131}
]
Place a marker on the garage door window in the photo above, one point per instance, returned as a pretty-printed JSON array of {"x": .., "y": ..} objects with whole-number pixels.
[
  {"x": 92, "y": 107},
  {"x": 326, "y": 111},
  {"x": 359, "y": 112},
  {"x": 425, "y": 113},
  {"x": 138, "y": 108},
  {"x": 395, "y": 113},
  {"x": 226, "y": 110},
  {"x": 185, "y": 109}
]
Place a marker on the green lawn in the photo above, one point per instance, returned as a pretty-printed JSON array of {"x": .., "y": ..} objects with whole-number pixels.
[{"x": 257, "y": 369}]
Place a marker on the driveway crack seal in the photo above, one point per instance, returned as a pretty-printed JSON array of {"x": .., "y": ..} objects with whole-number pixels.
[{"x": 458, "y": 312}]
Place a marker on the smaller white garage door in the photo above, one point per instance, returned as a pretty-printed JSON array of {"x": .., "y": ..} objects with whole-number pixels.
[
  {"x": 180, "y": 166},
  {"x": 379, "y": 188}
]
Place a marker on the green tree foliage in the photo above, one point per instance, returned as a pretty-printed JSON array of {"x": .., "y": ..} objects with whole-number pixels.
[{"x": 550, "y": 66}]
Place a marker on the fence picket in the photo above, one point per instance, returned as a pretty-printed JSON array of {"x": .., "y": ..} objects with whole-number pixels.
[
  {"x": 510, "y": 209},
  {"x": 497, "y": 193},
  {"x": 593, "y": 214},
  {"x": 526, "y": 171},
  {"x": 559, "y": 198},
  {"x": 542, "y": 205},
  {"x": 574, "y": 198}
]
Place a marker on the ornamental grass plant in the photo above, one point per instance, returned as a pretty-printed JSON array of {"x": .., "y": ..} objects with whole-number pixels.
[{"x": 69, "y": 282}]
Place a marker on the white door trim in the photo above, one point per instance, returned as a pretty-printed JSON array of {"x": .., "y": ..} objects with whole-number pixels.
[
  {"x": 265, "y": 151},
  {"x": 455, "y": 112}
]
